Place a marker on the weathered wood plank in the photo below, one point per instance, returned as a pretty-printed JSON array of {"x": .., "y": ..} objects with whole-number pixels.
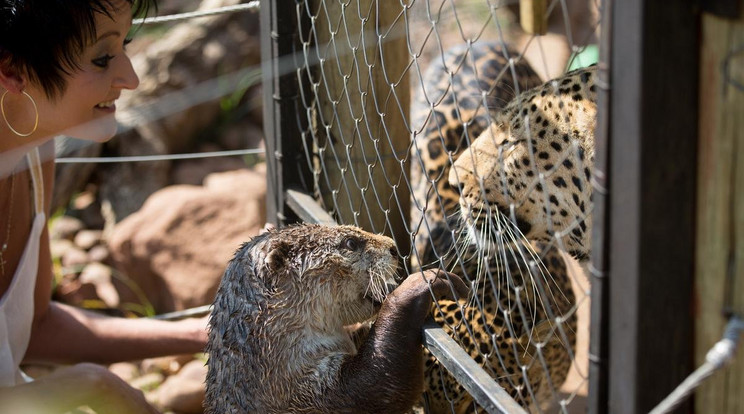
[
  {"x": 533, "y": 16},
  {"x": 284, "y": 123},
  {"x": 653, "y": 145},
  {"x": 363, "y": 100},
  {"x": 720, "y": 229}
]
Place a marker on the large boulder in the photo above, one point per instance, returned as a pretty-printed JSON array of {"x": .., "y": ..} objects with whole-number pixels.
[
  {"x": 183, "y": 392},
  {"x": 177, "y": 246}
]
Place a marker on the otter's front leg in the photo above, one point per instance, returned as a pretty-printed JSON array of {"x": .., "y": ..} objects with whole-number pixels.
[
  {"x": 386, "y": 375},
  {"x": 359, "y": 332}
]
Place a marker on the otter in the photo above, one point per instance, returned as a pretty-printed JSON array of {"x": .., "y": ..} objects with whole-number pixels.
[{"x": 279, "y": 340}]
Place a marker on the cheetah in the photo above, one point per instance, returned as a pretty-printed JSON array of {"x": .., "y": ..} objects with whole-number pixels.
[
  {"x": 507, "y": 328},
  {"x": 460, "y": 93},
  {"x": 533, "y": 165},
  {"x": 519, "y": 326}
]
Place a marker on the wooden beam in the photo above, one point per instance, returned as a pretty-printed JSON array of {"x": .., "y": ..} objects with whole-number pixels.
[
  {"x": 362, "y": 91},
  {"x": 599, "y": 343},
  {"x": 653, "y": 142},
  {"x": 533, "y": 16},
  {"x": 307, "y": 209},
  {"x": 720, "y": 249},
  {"x": 284, "y": 118}
]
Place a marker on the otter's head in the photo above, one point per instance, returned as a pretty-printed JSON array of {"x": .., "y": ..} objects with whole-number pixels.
[{"x": 337, "y": 275}]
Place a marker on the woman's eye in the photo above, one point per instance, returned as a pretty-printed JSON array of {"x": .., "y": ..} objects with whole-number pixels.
[{"x": 103, "y": 61}]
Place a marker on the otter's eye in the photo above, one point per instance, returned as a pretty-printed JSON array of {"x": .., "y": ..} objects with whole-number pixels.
[{"x": 351, "y": 243}]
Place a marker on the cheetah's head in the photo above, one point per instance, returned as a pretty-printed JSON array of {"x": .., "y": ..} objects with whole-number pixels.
[{"x": 528, "y": 174}]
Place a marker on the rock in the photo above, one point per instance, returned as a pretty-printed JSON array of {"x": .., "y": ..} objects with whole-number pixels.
[
  {"x": 90, "y": 214},
  {"x": 147, "y": 382},
  {"x": 65, "y": 227},
  {"x": 59, "y": 247},
  {"x": 241, "y": 135},
  {"x": 122, "y": 189},
  {"x": 86, "y": 239},
  {"x": 127, "y": 371},
  {"x": 184, "y": 392},
  {"x": 194, "y": 369},
  {"x": 192, "y": 52},
  {"x": 69, "y": 179},
  {"x": 99, "y": 275},
  {"x": 236, "y": 180},
  {"x": 74, "y": 259},
  {"x": 166, "y": 7},
  {"x": 167, "y": 365},
  {"x": 177, "y": 246},
  {"x": 83, "y": 200},
  {"x": 98, "y": 253},
  {"x": 193, "y": 172},
  {"x": 189, "y": 54}
]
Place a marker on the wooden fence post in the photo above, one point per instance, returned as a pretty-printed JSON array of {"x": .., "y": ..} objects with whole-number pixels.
[
  {"x": 652, "y": 157},
  {"x": 284, "y": 124},
  {"x": 720, "y": 229},
  {"x": 363, "y": 99}
]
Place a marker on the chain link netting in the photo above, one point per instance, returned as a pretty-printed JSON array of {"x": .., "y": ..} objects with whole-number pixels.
[
  {"x": 445, "y": 125},
  {"x": 437, "y": 122}
]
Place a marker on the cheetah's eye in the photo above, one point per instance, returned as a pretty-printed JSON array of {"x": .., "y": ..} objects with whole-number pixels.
[{"x": 351, "y": 243}]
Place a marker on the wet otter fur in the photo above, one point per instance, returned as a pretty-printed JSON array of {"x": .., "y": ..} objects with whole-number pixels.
[{"x": 278, "y": 342}]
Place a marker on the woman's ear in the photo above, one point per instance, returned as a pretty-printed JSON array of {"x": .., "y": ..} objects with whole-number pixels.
[{"x": 11, "y": 78}]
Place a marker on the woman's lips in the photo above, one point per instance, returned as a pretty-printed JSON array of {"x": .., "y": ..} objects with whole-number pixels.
[{"x": 107, "y": 106}]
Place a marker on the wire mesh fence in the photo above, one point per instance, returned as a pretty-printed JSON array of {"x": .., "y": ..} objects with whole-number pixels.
[
  {"x": 445, "y": 125},
  {"x": 439, "y": 123}
]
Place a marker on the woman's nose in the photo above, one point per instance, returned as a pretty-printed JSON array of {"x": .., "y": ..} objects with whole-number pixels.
[{"x": 126, "y": 78}]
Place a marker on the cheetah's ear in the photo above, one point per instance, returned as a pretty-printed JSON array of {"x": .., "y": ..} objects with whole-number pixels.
[{"x": 277, "y": 257}]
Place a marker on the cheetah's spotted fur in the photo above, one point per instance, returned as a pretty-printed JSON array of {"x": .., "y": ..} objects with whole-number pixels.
[{"x": 495, "y": 330}]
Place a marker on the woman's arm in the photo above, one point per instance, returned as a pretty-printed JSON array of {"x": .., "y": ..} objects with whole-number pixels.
[
  {"x": 66, "y": 334},
  {"x": 69, "y": 335}
]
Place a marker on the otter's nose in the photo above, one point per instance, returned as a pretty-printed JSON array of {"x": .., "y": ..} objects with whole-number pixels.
[{"x": 394, "y": 252}]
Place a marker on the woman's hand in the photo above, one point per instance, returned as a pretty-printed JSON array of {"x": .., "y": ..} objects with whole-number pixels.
[
  {"x": 198, "y": 327},
  {"x": 113, "y": 395},
  {"x": 69, "y": 388}
]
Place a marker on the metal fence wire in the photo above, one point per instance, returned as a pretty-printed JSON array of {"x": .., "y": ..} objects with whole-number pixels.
[
  {"x": 445, "y": 125},
  {"x": 456, "y": 129}
]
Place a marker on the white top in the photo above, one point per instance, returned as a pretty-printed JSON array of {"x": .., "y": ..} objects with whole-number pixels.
[{"x": 17, "y": 306}]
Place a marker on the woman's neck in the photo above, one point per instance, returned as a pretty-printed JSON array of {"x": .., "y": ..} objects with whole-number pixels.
[
  {"x": 10, "y": 156},
  {"x": 13, "y": 146}
]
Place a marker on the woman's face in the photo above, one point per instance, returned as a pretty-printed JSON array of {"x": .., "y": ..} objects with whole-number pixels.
[{"x": 86, "y": 109}]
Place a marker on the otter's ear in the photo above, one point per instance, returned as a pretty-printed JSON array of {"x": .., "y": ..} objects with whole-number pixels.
[{"x": 277, "y": 256}]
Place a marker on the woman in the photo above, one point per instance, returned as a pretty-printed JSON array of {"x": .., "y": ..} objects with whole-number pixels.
[{"x": 62, "y": 67}]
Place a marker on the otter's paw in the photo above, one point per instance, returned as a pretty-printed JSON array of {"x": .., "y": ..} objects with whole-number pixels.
[{"x": 415, "y": 293}]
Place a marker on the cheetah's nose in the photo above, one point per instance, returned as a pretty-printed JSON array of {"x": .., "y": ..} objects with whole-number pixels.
[
  {"x": 456, "y": 178},
  {"x": 458, "y": 186}
]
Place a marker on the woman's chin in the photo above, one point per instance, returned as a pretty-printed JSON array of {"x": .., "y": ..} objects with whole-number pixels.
[{"x": 95, "y": 132}]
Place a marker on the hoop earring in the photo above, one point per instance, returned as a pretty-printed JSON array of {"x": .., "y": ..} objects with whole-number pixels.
[{"x": 36, "y": 121}]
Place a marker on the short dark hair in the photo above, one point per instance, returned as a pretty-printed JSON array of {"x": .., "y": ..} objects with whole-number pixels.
[{"x": 44, "y": 38}]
